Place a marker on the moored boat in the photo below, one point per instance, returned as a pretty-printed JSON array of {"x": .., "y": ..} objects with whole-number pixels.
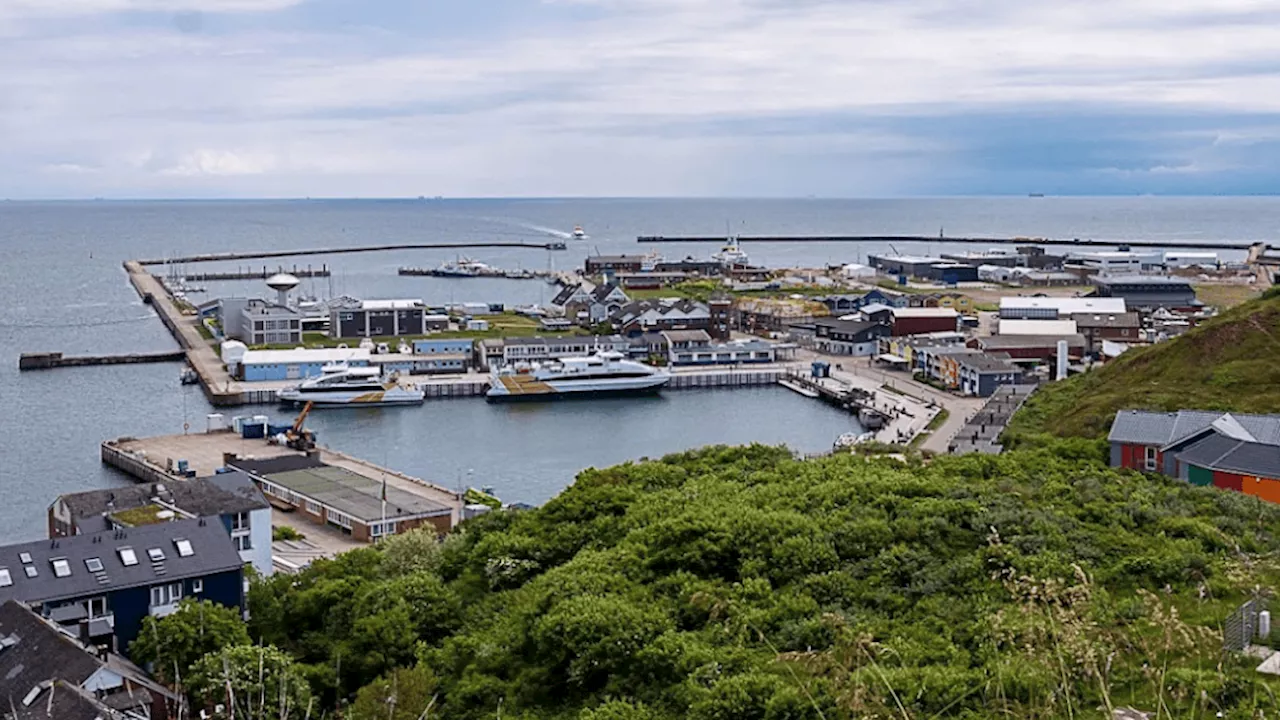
[
  {"x": 605, "y": 373},
  {"x": 339, "y": 385}
]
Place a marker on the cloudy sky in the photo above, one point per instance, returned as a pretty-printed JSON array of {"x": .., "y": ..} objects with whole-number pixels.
[{"x": 291, "y": 98}]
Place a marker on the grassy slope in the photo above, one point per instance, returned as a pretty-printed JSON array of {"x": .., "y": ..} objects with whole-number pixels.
[
  {"x": 739, "y": 583},
  {"x": 1229, "y": 363}
]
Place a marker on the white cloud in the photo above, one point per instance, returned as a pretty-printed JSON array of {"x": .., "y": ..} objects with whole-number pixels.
[{"x": 611, "y": 96}]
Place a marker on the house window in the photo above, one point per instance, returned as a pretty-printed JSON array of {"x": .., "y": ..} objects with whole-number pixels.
[
  {"x": 5, "y": 578},
  {"x": 243, "y": 542},
  {"x": 166, "y": 594},
  {"x": 197, "y": 586},
  {"x": 184, "y": 548},
  {"x": 240, "y": 521},
  {"x": 61, "y": 568},
  {"x": 1151, "y": 458},
  {"x": 313, "y": 507},
  {"x": 97, "y": 607},
  {"x": 382, "y": 529},
  {"x": 93, "y": 564},
  {"x": 156, "y": 555}
]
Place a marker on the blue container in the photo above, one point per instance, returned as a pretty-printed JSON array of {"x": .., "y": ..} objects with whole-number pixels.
[
  {"x": 182, "y": 466},
  {"x": 253, "y": 431}
]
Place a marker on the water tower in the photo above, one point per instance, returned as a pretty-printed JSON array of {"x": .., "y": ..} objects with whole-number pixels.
[{"x": 282, "y": 283}]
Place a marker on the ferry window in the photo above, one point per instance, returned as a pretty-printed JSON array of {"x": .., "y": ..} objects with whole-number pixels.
[
  {"x": 61, "y": 568},
  {"x": 93, "y": 564},
  {"x": 5, "y": 578}
]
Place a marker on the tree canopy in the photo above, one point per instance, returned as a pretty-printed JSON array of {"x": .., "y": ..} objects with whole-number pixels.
[
  {"x": 742, "y": 583},
  {"x": 172, "y": 644}
]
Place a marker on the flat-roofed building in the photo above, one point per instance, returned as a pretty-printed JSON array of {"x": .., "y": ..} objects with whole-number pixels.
[
  {"x": 266, "y": 365},
  {"x": 1036, "y": 327},
  {"x": 356, "y": 504},
  {"x": 381, "y": 318},
  {"x": 1144, "y": 292},
  {"x": 1051, "y": 308},
  {"x": 254, "y": 321}
]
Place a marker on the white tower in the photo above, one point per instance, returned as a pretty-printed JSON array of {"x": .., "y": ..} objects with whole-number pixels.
[
  {"x": 1062, "y": 360},
  {"x": 282, "y": 283}
]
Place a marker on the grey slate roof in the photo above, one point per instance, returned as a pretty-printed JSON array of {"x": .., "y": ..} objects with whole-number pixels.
[
  {"x": 1001, "y": 342},
  {"x": 1219, "y": 452},
  {"x": 214, "y": 553},
  {"x": 1140, "y": 427},
  {"x": 61, "y": 701},
  {"x": 563, "y": 296},
  {"x": 216, "y": 495},
  {"x": 40, "y": 652},
  {"x": 1107, "y": 320},
  {"x": 602, "y": 291},
  {"x": 988, "y": 362}
]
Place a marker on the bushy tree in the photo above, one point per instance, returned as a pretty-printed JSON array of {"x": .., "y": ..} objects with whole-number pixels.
[
  {"x": 405, "y": 694},
  {"x": 170, "y": 645},
  {"x": 251, "y": 682}
]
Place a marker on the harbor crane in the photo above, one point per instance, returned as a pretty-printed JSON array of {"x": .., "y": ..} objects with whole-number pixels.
[{"x": 298, "y": 437}]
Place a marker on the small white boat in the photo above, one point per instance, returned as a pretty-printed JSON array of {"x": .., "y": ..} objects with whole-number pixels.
[
  {"x": 578, "y": 232},
  {"x": 354, "y": 387}
]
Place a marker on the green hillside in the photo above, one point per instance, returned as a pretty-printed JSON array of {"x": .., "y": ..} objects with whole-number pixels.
[
  {"x": 741, "y": 584},
  {"x": 1229, "y": 363}
]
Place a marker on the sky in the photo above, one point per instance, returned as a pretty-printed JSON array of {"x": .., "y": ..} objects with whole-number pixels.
[{"x": 541, "y": 98}]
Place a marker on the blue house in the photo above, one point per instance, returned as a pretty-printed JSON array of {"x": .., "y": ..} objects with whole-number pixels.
[{"x": 101, "y": 585}]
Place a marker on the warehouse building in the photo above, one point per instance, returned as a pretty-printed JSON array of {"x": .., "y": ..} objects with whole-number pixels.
[
  {"x": 1143, "y": 292},
  {"x": 1051, "y": 308},
  {"x": 355, "y": 504},
  {"x": 267, "y": 365}
]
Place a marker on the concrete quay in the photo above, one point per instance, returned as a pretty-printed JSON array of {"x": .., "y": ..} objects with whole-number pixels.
[
  {"x": 150, "y": 459},
  {"x": 219, "y": 388}
]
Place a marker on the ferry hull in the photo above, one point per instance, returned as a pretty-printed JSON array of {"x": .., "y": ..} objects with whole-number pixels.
[
  {"x": 339, "y": 399},
  {"x": 509, "y": 389}
]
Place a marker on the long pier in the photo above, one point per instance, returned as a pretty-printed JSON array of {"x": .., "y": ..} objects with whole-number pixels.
[
  {"x": 50, "y": 360},
  {"x": 255, "y": 274},
  {"x": 887, "y": 239},
  {"x": 261, "y": 254}
]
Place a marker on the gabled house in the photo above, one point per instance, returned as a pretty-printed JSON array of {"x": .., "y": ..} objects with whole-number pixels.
[
  {"x": 48, "y": 674},
  {"x": 603, "y": 302},
  {"x": 571, "y": 295},
  {"x": 103, "y": 584},
  {"x": 643, "y": 316},
  {"x": 841, "y": 337},
  {"x": 1235, "y": 451},
  {"x": 232, "y": 497}
]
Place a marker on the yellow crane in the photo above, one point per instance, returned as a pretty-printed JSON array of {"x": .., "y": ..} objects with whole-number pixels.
[{"x": 298, "y": 437}]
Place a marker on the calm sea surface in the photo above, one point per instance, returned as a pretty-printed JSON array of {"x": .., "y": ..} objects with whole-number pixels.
[{"x": 62, "y": 288}]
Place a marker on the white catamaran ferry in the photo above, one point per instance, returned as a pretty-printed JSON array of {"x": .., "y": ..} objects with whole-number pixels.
[
  {"x": 605, "y": 373},
  {"x": 353, "y": 386}
]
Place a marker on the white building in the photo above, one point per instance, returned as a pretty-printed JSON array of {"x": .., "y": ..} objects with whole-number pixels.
[
  {"x": 857, "y": 271},
  {"x": 1185, "y": 258},
  {"x": 1119, "y": 262},
  {"x": 254, "y": 321},
  {"x": 1037, "y": 327},
  {"x": 1049, "y": 308}
]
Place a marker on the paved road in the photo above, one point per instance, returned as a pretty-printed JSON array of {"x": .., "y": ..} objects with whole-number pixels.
[{"x": 959, "y": 408}]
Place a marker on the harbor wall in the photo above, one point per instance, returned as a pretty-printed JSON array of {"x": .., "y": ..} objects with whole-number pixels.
[
  {"x": 48, "y": 361},
  {"x": 133, "y": 464}
]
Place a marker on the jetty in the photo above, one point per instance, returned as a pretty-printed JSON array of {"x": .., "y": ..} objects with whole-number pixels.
[
  {"x": 258, "y": 274},
  {"x": 888, "y": 239},
  {"x": 478, "y": 273},
  {"x": 50, "y": 360},
  {"x": 350, "y": 250}
]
